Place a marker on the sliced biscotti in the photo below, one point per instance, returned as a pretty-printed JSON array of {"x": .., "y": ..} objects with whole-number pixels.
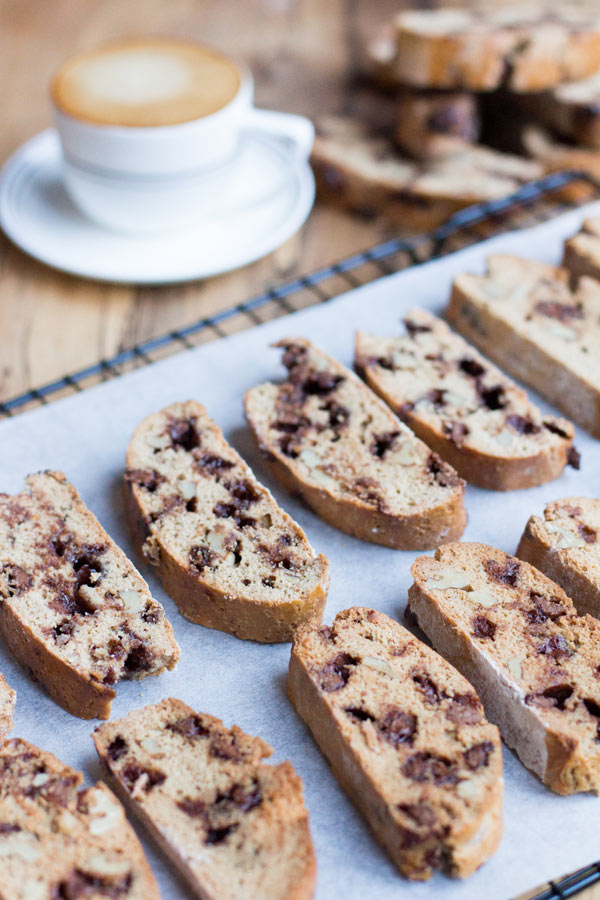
[
  {"x": 462, "y": 406},
  {"x": 582, "y": 251},
  {"x": 60, "y": 841},
  {"x": 572, "y": 110},
  {"x": 331, "y": 440},
  {"x": 235, "y": 827},
  {"x": 565, "y": 546},
  {"x": 229, "y": 556},
  {"x": 7, "y": 705},
  {"x": 524, "y": 47},
  {"x": 361, "y": 171},
  {"x": 406, "y": 737},
  {"x": 532, "y": 659},
  {"x": 523, "y": 315},
  {"x": 74, "y": 611}
]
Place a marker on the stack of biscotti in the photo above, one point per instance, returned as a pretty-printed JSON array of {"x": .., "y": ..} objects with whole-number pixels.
[
  {"x": 73, "y": 609},
  {"x": 59, "y": 841},
  {"x": 226, "y": 552},
  {"x": 526, "y": 317},
  {"x": 582, "y": 251},
  {"x": 406, "y": 737},
  {"x": 463, "y": 407},
  {"x": 329, "y": 439},
  {"x": 533, "y": 660},
  {"x": 235, "y": 827}
]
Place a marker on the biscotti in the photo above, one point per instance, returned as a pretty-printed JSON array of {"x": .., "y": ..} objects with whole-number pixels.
[
  {"x": 524, "y": 48},
  {"x": 74, "y": 611},
  {"x": 555, "y": 156},
  {"x": 235, "y": 827},
  {"x": 59, "y": 841},
  {"x": 7, "y": 705},
  {"x": 462, "y": 406},
  {"x": 523, "y": 315},
  {"x": 572, "y": 110},
  {"x": 565, "y": 546},
  {"x": 406, "y": 737},
  {"x": 434, "y": 124},
  {"x": 229, "y": 556},
  {"x": 533, "y": 661},
  {"x": 582, "y": 251},
  {"x": 361, "y": 171},
  {"x": 328, "y": 438}
]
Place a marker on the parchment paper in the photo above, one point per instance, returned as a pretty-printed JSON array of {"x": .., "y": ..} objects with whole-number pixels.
[{"x": 244, "y": 683}]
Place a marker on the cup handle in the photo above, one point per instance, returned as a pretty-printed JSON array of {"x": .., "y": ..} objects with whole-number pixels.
[{"x": 297, "y": 132}]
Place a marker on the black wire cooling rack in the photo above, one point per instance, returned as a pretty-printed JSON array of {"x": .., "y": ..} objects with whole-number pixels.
[{"x": 533, "y": 203}]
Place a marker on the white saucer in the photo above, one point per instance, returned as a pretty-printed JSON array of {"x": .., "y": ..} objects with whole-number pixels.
[{"x": 268, "y": 198}]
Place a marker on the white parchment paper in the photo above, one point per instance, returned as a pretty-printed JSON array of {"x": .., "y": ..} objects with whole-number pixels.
[{"x": 86, "y": 436}]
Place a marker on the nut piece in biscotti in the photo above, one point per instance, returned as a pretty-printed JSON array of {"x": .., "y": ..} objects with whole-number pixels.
[
  {"x": 582, "y": 251},
  {"x": 523, "y": 315},
  {"x": 234, "y": 826},
  {"x": 532, "y": 659},
  {"x": 331, "y": 440},
  {"x": 406, "y": 737},
  {"x": 7, "y": 705},
  {"x": 462, "y": 406},
  {"x": 73, "y": 609},
  {"x": 361, "y": 171},
  {"x": 229, "y": 556},
  {"x": 565, "y": 546},
  {"x": 524, "y": 47},
  {"x": 58, "y": 840},
  {"x": 433, "y": 124}
]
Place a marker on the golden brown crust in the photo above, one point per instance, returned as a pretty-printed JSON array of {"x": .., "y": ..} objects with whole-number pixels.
[{"x": 7, "y": 705}]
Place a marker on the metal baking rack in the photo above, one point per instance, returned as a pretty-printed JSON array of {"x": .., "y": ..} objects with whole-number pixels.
[{"x": 533, "y": 203}]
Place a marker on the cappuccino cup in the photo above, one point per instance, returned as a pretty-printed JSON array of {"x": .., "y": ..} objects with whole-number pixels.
[{"x": 150, "y": 127}]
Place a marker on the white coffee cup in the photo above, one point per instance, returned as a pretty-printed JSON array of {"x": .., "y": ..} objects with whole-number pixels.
[{"x": 157, "y": 178}]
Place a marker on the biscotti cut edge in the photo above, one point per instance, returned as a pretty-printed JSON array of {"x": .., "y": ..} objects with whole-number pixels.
[{"x": 7, "y": 705}]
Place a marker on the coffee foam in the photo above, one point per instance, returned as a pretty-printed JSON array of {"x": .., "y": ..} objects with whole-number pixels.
[{"x": 145, "y": 82}]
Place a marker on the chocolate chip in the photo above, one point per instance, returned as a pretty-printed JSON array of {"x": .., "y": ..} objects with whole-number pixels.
[
  {"x": 443, "y": 474},
  {"x": 232, "y": 511},
  {"x": 361, "y": 715},
  {"x": 588, "y": 533},
  {"x": 139, "y": 659},
  {"x": 561, "y": 311},
  {"x": 544, "y": 608},
  {"x": 192, "y": 808},
  {"x": 81, "y": 884},
  {"x": 189, "y": 726},
  {"x": 471, "y": 367},
  {"x": 397, "y": 727},
  {"x": 421, "y": 814},
  {"x": 464, "y": 709},
  {"x": 556, "y": 647},
  {"x": 146, "y": 478},
  {"x": 383, "y": 442},
  {"x": 553, "y": 428},
  {"x": 552, "y": 697},
  {"x": 574, "y": 458},
  {"x": 339, "y": 415},
  {"x": 218, "y": 835},
  {"x": 246, "y": 797},
  {"x": 335, "y": 674},
  {"x": 478, "y": 755},
  {"x": 132, "y": 772},
  {"x": 428, "y": 688},
  {"x": 184, "y": 434},
  {"x": 212, "y": 464},
  {"x": 483, "y": 628},
  {"x": 457, "y": 432},
  {"x": 428, "y": 767},
  {"x": 414, "y": 328},
  {"x": 492, "y": 397},
  {"x": 506, "y": 573},
  {"x": 522, "y": 424},
  {"x": 594, "y": 710},
  {"x": 225, "y": 746},
  {"x": 200, "y": 557},
  {"x": 436, "y": 396},
  {"x": 244, "y": 492},
  {"x": 117, "y": 748}
]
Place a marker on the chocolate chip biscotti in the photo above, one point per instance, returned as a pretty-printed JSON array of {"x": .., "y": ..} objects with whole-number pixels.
[
  {"x": 532, "y": 659},
  {"x": 74, "y": 611},
  {"x": 434, "y": 124},
  {"x": 229, "y": 556},
  {"x": 582, "y": 251},
  {"x": 523, "y": 315},
  {"x": 462, "y": 406},
  {"x": 7, "y": 705},
  {"x": 62, "y": 842},
  {"x": 331, "y": 440},
  {"x": 235, "y": 827},
  {"x": 565, "y": 546},
  {"x": 406, "y": 737}
]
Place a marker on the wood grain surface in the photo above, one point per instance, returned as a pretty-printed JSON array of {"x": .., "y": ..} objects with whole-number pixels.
[{"x": 305, "y": 55}]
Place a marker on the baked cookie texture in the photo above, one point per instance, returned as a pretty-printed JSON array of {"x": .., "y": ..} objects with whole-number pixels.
[
  {"x": 582, "y": 251},
  {"x": 524, "y": 47},
  {"x": 361, "y": 171},
  {"x": 74, "y": 611},
  {"x": 7, "y": 705},
  {"x": 406, "y": 737},
  {"x": 433, "y": 124},
  {"x": 226, "y": 552},
  {"x": 523, "y": 315},
  {"x": 235, "y": 827},
  {"x": 462, "y": 406},
  {"x": 328, "y": 438},
  {"x": 532, "y": 659},
  {"x": 59, "y": 840},
  {"x": 564, "y": 544}
]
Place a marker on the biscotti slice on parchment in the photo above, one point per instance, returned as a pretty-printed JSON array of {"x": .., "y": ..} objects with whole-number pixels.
[
  {"x": 229, "y": 556},
  {"x": 524, "y": 47},
  {"x": 328, "y": 438},
  {"x": 462, "y": 406},
  {"x": 406, "y": 737},
  {"x": 74, "y": 611},
  {"x": 62, "y": 842},
  {"x": 234, "y": 826},
  {"x": 582, "y": 251},
  {"x": 523, "y": 315},
  {"x": 565, "y": 546},
  {"x": 7, "y": 705},
  {"x": 361, "y": 171},
  {"x": 533, "y": 661}
]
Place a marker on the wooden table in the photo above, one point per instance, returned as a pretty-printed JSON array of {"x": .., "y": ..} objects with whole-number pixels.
[{"x": 304, "y": 55}]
